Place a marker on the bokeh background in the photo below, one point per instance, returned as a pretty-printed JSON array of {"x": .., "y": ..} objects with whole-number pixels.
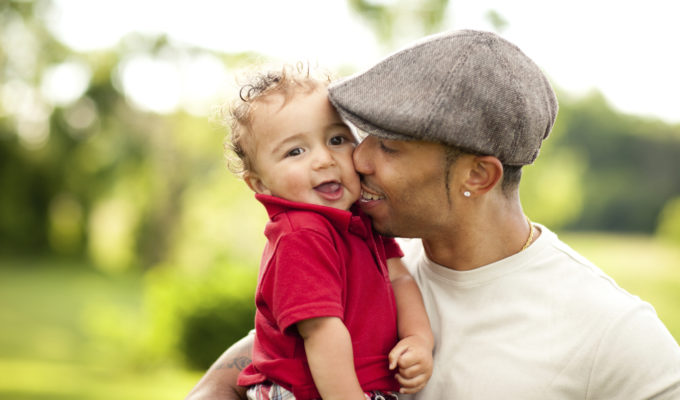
[{"x": 129, "y": 253}]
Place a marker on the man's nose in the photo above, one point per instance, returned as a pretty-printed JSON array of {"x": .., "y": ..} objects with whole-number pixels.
[{"x": 362, "y": 156}]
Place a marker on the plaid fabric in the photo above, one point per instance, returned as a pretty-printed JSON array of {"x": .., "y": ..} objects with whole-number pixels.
[
  {"x": 375, "y": 395},
  {"x": 272, "y": 391},
  {"x": 268, "y": 392}
]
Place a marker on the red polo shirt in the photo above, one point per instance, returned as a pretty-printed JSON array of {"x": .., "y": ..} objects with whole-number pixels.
[{"x": 322, "y": 262}]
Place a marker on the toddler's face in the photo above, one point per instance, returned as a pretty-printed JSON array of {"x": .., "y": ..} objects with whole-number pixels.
[{"x": 303, "y": 151}]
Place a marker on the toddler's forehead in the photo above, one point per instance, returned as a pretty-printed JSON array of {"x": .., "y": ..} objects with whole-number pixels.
[
  {"x": 272, "y": 103},
  {"x": 275, "y": 101},
  {"x": 261, "y": 109}
]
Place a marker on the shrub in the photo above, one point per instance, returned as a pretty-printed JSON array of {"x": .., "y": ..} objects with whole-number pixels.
[
  {"x": 209, "y": 329},
  {"x": 195, "y": 318}
]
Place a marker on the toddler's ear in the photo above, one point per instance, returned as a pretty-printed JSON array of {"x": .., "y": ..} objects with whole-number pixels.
[{"x": 255, "y": 183}]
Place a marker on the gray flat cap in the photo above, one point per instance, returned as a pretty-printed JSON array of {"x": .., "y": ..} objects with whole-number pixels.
[{"x": 470, "y": 89}]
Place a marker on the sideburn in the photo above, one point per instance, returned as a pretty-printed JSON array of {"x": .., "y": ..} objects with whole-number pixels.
[{"x": 451, "y": 154}]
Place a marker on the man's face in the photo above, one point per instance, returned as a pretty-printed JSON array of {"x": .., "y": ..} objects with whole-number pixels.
[{"x": 403, "y": 185}]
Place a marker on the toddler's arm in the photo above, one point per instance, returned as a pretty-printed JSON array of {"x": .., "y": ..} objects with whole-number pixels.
[
  {"x": 413, "y": 353},
  {"x": 329, "y": 352}
]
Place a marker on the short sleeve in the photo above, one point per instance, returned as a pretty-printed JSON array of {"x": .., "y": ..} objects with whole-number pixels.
[
  {"x": 637, "y": 359},
  {"x": 392, "y": 249},
  {"x": 304, "y": 279}
]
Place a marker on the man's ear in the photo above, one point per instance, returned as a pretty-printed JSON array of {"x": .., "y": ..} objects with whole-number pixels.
[
  {"x": 255, "y": 183},
  {"x": 485, "y": 173}
]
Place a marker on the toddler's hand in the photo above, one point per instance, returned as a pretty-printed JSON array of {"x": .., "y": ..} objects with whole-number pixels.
[{"x": 414, "y": 358}]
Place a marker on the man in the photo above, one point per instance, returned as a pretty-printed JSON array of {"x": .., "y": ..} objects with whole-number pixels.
[{"x": 515, "y": 312}]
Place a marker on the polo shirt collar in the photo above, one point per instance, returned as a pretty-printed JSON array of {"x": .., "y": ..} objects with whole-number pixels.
[{"x": 342, "y": 220}]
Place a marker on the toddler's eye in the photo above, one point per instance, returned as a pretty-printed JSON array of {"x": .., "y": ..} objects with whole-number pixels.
[
  {"x": 337, "y": 140},
  {"x": 294, "y": 152}
]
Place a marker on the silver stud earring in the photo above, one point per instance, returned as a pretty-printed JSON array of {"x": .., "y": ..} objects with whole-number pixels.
[{"x": 467, "y": 193}]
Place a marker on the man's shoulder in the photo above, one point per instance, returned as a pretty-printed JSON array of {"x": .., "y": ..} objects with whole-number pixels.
[{"x": 585, "y": 283}]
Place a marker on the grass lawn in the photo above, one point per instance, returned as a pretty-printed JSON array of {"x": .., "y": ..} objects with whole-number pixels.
[{"x": 46, "y": 352}]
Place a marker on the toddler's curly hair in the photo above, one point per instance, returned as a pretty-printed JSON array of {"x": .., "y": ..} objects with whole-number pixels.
[{"x": 286, "y": 81}]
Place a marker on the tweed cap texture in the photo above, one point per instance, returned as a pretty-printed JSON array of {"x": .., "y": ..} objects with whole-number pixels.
[{"x": 469, "y": 89}]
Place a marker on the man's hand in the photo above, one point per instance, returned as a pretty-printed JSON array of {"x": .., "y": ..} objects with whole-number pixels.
[{"x": 413, "y": 356}]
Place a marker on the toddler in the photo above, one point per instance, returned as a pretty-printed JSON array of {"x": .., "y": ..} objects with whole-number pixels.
[{"x": 329, "y": 288}]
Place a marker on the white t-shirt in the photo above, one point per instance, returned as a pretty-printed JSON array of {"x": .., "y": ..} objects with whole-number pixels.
[{"x": 541, "y": 324}]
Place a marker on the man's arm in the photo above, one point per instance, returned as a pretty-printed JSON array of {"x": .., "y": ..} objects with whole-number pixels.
[
  {"x": 413, "y": 353},
  {"x": 219, "y": 382}
]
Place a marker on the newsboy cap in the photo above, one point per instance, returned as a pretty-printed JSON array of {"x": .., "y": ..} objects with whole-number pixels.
[{"x": 469, "y": 89}]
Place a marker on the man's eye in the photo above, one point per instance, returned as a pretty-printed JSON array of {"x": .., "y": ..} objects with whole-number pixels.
[
  {"x": 294, "y": 152},
  {"x": 385, "y": 148},
  {"x": 337, "y": 140}
]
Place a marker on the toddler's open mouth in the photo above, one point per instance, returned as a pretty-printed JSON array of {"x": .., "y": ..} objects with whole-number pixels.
[{"x": 330, "y": 190}]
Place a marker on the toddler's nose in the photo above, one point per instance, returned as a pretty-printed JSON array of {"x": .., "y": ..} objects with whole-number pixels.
[{"x": 323, "y": 159}]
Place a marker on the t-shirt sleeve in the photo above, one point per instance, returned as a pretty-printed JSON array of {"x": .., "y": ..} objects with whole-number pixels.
[
  {"x": 392, "y": 249},
  {"x": 637, "y": 359},
  {"x": 304, "y": 279}
]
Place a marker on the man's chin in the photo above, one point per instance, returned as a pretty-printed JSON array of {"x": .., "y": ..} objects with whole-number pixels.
[
  {"x": 383, "y": 229},
  {"x": 380, "y": 221}
]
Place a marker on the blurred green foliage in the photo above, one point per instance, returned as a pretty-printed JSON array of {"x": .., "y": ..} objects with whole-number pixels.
[
  {"x": 631, "y": 164},
  {"x": 97, "y": 177},
  {"x": 669, "y": 222},
  {"x": 144, "y": 249},
  {"x": 128, "y": 192},
  {"x": 394, "y": 20},
  {"x": 601, "y": 170}
]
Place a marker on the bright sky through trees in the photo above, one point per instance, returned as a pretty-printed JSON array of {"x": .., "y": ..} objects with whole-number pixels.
[{"x": 627, "y": 50}]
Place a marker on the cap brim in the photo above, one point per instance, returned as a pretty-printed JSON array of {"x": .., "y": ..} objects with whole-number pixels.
[{"x": 362, "y": 128}]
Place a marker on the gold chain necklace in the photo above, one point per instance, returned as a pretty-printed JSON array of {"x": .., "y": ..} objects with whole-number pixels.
[{"x": 531, "y": 235}]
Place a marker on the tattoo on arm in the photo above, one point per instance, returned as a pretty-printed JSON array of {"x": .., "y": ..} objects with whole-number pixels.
[{"x": 239, "y": 363}]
